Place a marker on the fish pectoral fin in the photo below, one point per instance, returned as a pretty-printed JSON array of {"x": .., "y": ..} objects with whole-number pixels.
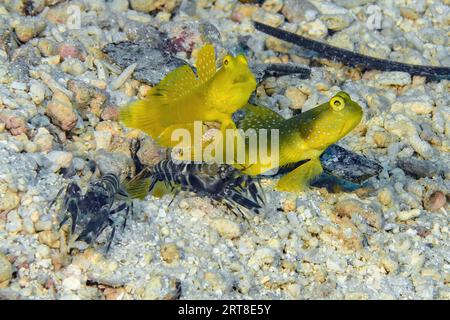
[
  {"x": 298, "y": 179},
  {"x": 137, "y": 188},
  {"x": 160, "y": 189},
  {"x": 182, "y": 138},
  {"x": 227, "y": 123},
  {"x": 206, "y": 63}
]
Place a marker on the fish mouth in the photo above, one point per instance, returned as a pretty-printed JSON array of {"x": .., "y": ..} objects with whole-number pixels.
[
  {"x": 240, "y": 80},
  {"x": 244, "y": 81},
  {"x": 341, "y": 132},
  {"x": 244, "y": 78},
  {"x": 346, "y": 128}
]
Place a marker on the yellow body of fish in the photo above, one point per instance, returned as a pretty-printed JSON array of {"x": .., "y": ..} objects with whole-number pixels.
[
  {"x": 182, "y": 97},
  {"x": 302, "y": 137}
]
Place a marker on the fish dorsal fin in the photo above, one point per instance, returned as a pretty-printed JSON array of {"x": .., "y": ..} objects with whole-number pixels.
[
  {"x": 175, "y": 85},
  {"x": 257, "y": 117},
  {"x": 206, "y": 63},
  {"x": 181, "y": 81}
]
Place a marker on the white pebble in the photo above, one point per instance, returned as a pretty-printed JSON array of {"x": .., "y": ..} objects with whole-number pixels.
[
  {"x": 60, "y": 159},
  {"x": 408, "y": 215},
  {"x": 19, "y": 85},
  {"x": 43, "y": 251},
  {"x": 120, "y": 5},
  {"x": 120, "y": 80},
  {"x": 37, "y": 92},
  {"x": 102, "y": 139},
  {"x": 404, "y": 128},
  {"x": 416, "y": 105},
  {"x": 53, "y": 84},
  {"x": 336, "y": 265},
  {"x": 101, "y": 72},
  {"x": 227, "y": 228},
  {"x": 71, "y": 283},
  {"x": 262, "y": 256},
  {"x": 73, "y": 66},
  {"x": 57, "y": 35},
  {"x": 396, "y": 78}
]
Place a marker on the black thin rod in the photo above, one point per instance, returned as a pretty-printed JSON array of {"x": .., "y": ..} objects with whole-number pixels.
[
  {"x": 284, "y": 69},
  {"x": 354, "y": 59}
]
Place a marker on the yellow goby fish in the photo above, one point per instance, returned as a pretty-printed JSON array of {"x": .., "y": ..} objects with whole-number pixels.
[
  {"x": 182, "y": 97},
  {"x": 302, "y": 137}
]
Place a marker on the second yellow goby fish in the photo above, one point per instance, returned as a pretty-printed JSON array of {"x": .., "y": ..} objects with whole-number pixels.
[
  {"x": 302, "y": 137},
  {"x": 183, "y": 97}
]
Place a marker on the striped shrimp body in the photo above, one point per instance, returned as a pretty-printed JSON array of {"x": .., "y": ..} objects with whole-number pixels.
[
  {"x": 93, "y": 211},
  {"x": 220, "y": 182}
]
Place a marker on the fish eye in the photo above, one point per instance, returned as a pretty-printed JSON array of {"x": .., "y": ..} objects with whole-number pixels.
[
  {"x": 337, "y": 103},
  {"x": 226, "y": 61}
]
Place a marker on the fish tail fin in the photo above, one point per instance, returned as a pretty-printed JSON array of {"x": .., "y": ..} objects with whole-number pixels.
[
  {"x": 161, "y": 112},
  {"x": 298, "y": 179},
  {"x": 143, "y": 115},
  {"x": 162, "y": 107}
]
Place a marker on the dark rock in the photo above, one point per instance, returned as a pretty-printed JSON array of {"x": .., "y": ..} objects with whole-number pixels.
[
  {"x": 344, "y": 171},
  {"x": 348, "y": 165},
  {"x": 418, "y": 168},
  {"x": 153, "y": 64},
  {"x": 334, "y": 184}
]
